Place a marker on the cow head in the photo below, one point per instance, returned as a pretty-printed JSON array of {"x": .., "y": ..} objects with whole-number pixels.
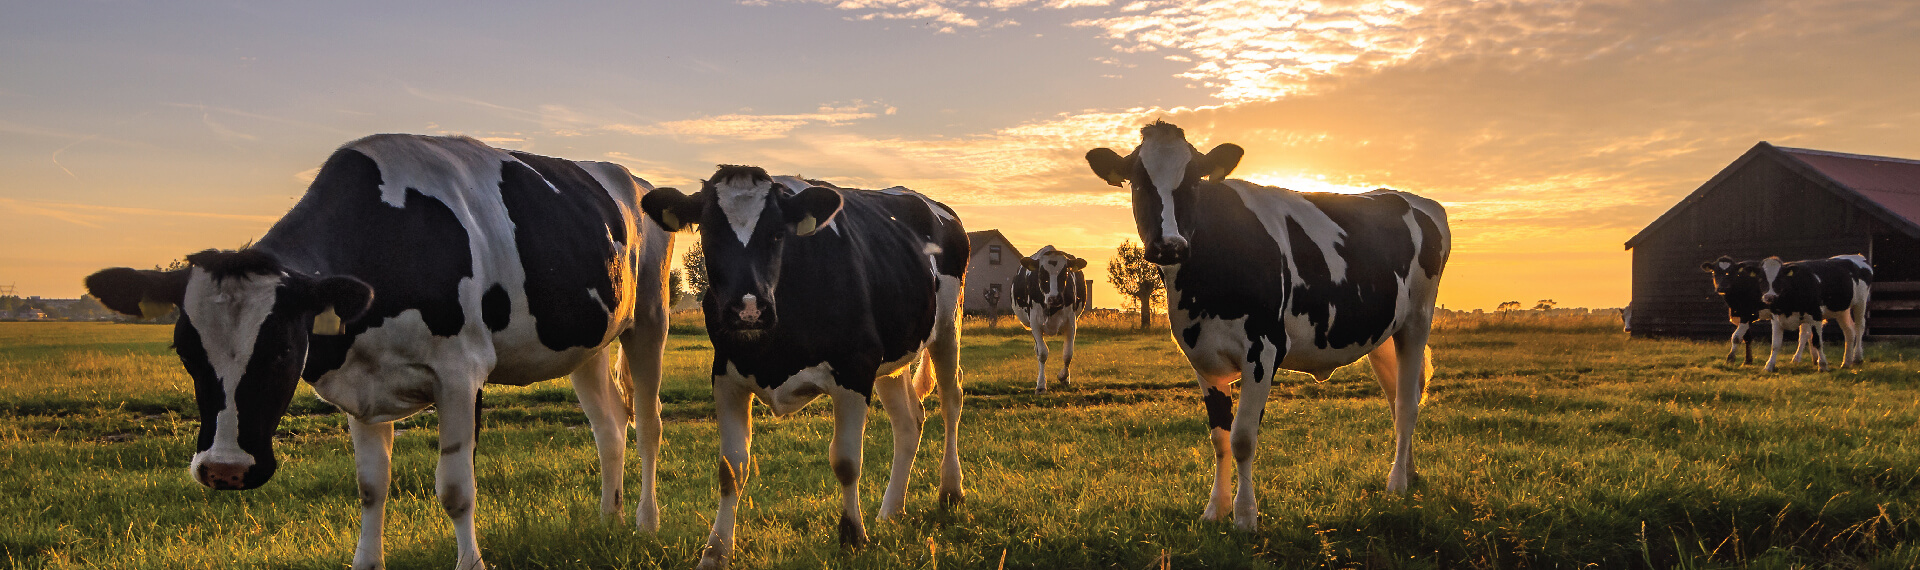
[
  {"x": 242, "y": 336},
  {"x": 1734, "y": 277},
  {"x": 1780, "y": 280},
  {"x": 1051, "y": 275},
  {"x": 1164, "y": 170},
  {"x": 744, "y": 220}
]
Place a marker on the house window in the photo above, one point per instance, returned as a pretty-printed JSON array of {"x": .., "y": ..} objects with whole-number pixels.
[{"x": 993, "y": 255}]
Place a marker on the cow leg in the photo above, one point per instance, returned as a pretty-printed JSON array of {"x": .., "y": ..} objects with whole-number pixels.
[
  {"x": 645, "y": 347},
  {"x": 1819, "y": 344},
  {"x": 903, "y": 411},
  {"x": 733, "y": 415},
  {"x": 459, "y": 427},
  {"x": 1039, "y": 349},
  {"x": 1777, "y": 333},
  {"x": 1733, "y": 343},
  {"x": 1800, "y": 345},
  {"x": 944, "y": 351},
  {"x": 1219, "y": 423},
  {"x": 844, "y": 454},
  {"x": 1858, "y": 342},
  {"x": 1256, "y": 381},
  {"x": 1066, "y": 347},
  {"x": 601, "y": 398},
  {"x": 373, "y": 461},
  {"x": 1410, "y": 352}
]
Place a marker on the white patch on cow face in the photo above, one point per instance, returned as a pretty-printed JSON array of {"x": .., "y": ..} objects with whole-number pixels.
[
  {"x": 742, "y": 199},
  {"x": 228, "y": 314},
  {"x": 1166, "y": 159},
  {"x": 1771, "y": 269}
]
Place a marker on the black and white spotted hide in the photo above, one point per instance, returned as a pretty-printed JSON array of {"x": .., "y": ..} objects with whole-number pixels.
[
  {"x": 1049, "y": 293},
  {"x": 1740, "y": 284},
  {"x": 413, "y": 271},
  {"x": 1809, "y": 293},
  {"x": 1262, "y": 279},
  {"x": 815, "y": 289}
]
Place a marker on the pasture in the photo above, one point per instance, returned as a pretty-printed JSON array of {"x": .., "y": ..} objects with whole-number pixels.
[{"x": 1543, "y": 443}]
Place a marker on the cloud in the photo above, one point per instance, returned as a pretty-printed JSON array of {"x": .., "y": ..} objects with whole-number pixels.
[
  {"x": 95, "y": 216},
  {"x": 748, "y": 127}
]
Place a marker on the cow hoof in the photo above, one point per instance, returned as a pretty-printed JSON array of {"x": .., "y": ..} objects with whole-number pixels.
[
  {"x": 852, "y": 535},
  {"x": 951, "y": 498},
  {"x": 711, "y": 559},
  {"x": 1041, "y": 391}
]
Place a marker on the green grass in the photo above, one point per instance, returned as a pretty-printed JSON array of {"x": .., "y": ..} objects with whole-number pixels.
[{"x": 1542, "y": 444}]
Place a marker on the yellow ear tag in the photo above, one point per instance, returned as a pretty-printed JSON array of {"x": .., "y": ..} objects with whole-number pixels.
[
  {"x": 154, "y": 309},
  {"x": 1218, "y": 174},
  {"x": 1116, "y": 179},
  {"x": 673, "y": 222},
  {"x": 327, "y": 323},
  {"x": 806, "y": 226}
]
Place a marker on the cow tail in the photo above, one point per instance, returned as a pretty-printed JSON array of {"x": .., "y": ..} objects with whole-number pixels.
[
  {"x": 621, "y": 378},
  {"x": 923, "y": 381}
]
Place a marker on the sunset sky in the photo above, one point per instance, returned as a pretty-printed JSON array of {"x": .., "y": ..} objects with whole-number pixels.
[{"x": 1552, "y": 130}]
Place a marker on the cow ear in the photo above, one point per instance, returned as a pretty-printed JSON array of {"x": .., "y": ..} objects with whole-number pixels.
[
  {"x": 1030, "y": 264},
  {"x": 142, "y": 293},
  {"x": 1222, "y": 160},
  {"x": 339, "y": 300},
  {"x": 1110, "y": 166},
  {"x": 1077, "y": 264},
  {"x": 811, "y": 209},
  {"x": 674, "y": 210},
  {"x": 1707, "y": 266}
]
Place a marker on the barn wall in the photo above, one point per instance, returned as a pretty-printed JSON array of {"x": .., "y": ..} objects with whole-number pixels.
[
  {"x": 981, "y": 274},
  {"x": 1762, "y": 209}
]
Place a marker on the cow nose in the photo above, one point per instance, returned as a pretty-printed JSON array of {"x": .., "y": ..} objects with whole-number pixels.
[
  {"x": 223, "y": 476},
  {"x": 1768, "y": 298},
  {"x": 750, "y": 309},
  {"x": 1172, "y": 250}
]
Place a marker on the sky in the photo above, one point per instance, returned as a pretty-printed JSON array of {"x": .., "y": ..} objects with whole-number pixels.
[{"x": 134, "y": 133}]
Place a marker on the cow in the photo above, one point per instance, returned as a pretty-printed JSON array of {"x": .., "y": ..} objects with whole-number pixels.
[
  {"x": 1810, "y": 292},
  {"x": 414, "y": 270},
  {"x": 1739, "y": 285},
  {"x": 813, "y": 290},
  {"x": 1261, "y": 279},
  {"x": 1049, "y": 292}
]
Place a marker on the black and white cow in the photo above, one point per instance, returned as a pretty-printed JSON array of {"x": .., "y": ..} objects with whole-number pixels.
[
  {"x": 1740, "y": 284},
  {"x": 1809, "y": 293},
  {"x": 1261, "y": 279},
  {"x": 1049, "y": 292},
  {"x": 414, "y": 270},
  {"x": 814, "y": 289}
]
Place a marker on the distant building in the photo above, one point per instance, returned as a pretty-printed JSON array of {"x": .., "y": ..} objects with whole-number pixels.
[
  {"x": 992, "y": 265},
  {"x": 1787, "y": 202}
]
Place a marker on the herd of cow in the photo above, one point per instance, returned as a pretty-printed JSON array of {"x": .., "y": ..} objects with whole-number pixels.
[
  {"x": 1800, "y": 295},
  {"x": 417, "y": 269}
]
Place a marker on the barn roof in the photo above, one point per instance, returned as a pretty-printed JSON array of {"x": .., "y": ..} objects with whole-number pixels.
[
  {"x": 977, "y": 241},
  {"x": 1884, "y": 187}
]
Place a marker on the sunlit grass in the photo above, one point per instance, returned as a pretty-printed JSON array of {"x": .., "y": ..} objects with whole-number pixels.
[{"x": 1541, "y": 445}]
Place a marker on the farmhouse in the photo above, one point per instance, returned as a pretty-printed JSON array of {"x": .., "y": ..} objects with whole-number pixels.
[
  {"x": 992, "y": 266},
  {"x": 1788, "y": 202}
]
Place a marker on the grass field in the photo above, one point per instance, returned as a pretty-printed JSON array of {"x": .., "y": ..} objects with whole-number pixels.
[{"x": 1543, "y": 444}]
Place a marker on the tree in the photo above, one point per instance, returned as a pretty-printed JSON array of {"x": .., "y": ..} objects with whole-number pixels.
[
  {"x": 1507, "y": 307},
  {"x": 674, "y": 283},
  {"x": 1544, "y": 304},
  {"x": 1137, "y": 279},
  {"x": 694, "y": 268}
]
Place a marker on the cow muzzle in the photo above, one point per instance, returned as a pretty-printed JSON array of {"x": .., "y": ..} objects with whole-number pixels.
[
  {"x": 223, "y": 476},
  {"x": 750, "y": 313},
  {"x": 1769, "y": 297},
  {"x": 1168, "y": 251}
]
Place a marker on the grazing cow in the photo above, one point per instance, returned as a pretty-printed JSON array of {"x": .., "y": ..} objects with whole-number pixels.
[
  {"x": 1261, "y": 279},
  {"x": 814, "y": 289},
  {"x": 1740, "y": 285},
  {"x": 414, "y": 270},
  {"x": 1049, "y": 292},
  {"x": 1809, "y": 293}
]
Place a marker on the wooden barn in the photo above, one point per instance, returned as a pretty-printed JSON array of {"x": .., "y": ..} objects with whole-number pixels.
[{"x": 1787, "y": 202}]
